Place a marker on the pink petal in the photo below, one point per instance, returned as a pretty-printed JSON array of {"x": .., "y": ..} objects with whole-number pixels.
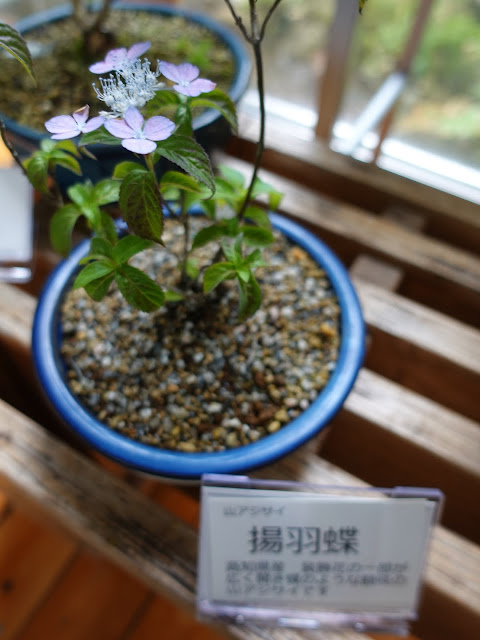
[
  {"x": 81, "y": 115},
  {"x": 100, "y": 67},
  {"x": 196, "y": 87},
  {"x": 93, "y": 123},
  {"x": 60, "y": 124},
  {"x": 73, "y": 133},
  {"x": 119, "y": 128},
  {"x": 134, "y": 118},
  {"x": 187, "y": 72},
  {"x": 158, "y": 128},
  {"x": 136, "y": 50},
  {"x": 179, "y": 73},
  {"x": 139, "y": 145}
]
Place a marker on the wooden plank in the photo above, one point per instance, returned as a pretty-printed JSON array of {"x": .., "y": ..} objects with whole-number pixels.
[
  {"x": 32, "y": 559},
  {"x": 94, "y": 599},
  {"x": 311, "y": 163},
  {"x": 397, "y": 436},
  {"x": 122, "y": 524},
  {"x": 422, "y": 349}
]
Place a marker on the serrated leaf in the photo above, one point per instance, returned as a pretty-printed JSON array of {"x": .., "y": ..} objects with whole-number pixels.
[
  {"x": 61, "y": 227},
  {"x": 209, "y": 234},
  {"x": 250, "y": 298},
  {"x": 12, "y": 41},
  {"x": 256, "y": 236},
  {"x": 141, "y": 205},
  {"x": 219, "y": 100},
  {"x": 259, "y": 216},
  {"x": 124, "y": 168},
  {"x": 91, "y": 272},
  {"x": 37, "y": 171},
  {"x": 106, "y": 191},
  {"x": 138, "y": 289},
  {"x": 188, "y": 155},
  {"x": 217, "y": 273},
  {"x": 128, "y": 246},
  {"x": 177, "y": 180},
  {"x": 98, "y": 288}
]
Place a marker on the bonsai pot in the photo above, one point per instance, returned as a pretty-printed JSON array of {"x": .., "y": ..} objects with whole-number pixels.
[
  {"x": 51, "y": 370},
  {"x": 209, "y": 126}
]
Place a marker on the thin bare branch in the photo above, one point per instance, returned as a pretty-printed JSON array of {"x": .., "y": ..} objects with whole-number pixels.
[
  {"x": 238, "y": 21},
  {"x": 267, "y": 18}
]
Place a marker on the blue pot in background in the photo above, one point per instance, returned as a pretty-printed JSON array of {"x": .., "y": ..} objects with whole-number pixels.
[
  {"x": 191, "y": 466},
  {"x": 211, "y": 130}
]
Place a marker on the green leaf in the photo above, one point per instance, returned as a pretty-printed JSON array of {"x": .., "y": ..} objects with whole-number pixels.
[
  {"x": 233, "y": 251},
  {"x": 162, "y": 100},
  {"x": 217, "y": 273},
  {"x": 124, "y": 168},
  {"x": 100, "y": 247},
  {"x": 141, "y": 205},
  {"x": 259, "y": 217},
  {"x": 256, "y": 237},
  {"x": 92, "y": 271},
  {"x": 177, "y": 180},
  {"x": 219, "y": 100},
  {"x": 234, "y": 177},
  {"x": 12, "y": 41},
  {"x": 173, "y": 296},
  {"x": 37, "y": 171},
  {"x": 188, "y": 155},
  {"x": 224, "y": 189},
  {"x": 107, "y": 228},
  {"x": 191, "y": 268},
  {"x": 263, "y": 188},
  {"x": 128, "y": 247},
  {"x": 138, "y": 289},
  {"x": 99, "y": 287},
  {"x": 209, "y": 234},
  {"x": 99, "y": 136},
  {"x": 61, "y": 227},
  {"x": 106, "y": 191},
  {"x": 83, "y": 196},
  {"x": 250, "y": 298},
  {"x": 183, "y": 120},
  {"x": 254, "y": 260},
  {"x": 65, "y": 145},
  {"x": 65, "y": 160},
  {"x": 243, "y": 273}
]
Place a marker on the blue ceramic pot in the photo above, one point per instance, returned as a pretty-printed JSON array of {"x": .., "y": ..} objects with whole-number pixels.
[
  {"x": 51, "y": 371},
  {"x": 210, "y": 128}
]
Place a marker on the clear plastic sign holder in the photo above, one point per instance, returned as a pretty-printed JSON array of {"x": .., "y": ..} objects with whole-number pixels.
[
  {"x": 314, "y": 557},
  {"x": 16, "y": 225}
]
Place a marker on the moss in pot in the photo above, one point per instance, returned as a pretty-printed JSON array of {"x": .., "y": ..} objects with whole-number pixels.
[{"x": 266, "y": 388}]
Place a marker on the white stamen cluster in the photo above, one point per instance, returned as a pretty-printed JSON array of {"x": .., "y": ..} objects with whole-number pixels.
[{"x": 131, "y": 86}]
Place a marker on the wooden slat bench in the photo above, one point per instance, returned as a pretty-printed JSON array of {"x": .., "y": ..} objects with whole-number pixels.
[{"x": 412, "y": 418}]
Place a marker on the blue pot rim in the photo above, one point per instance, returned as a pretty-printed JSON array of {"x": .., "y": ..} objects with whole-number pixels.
[
  {"x": 241, "y": 57},
  {"x": 174, "y": 464}
]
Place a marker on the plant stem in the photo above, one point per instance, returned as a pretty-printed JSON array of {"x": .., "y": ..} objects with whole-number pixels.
[{"x": 254, "y": 38}]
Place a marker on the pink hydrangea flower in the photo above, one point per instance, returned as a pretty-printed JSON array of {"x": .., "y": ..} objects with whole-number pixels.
[
  {"x": 186, "y": 78},
  {"x": 64, "y": 127},
  {"x": 116, "y": 58},
  {"x": 138, "y": 135}
]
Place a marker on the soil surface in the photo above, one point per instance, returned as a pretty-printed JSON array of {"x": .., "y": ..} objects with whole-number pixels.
[
  {"x": 190, "y": 377},
  {"x": 64, "y": 83}
]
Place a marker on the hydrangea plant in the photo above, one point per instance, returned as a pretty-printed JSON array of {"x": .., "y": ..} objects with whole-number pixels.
[{"x": 135, "y": 96}]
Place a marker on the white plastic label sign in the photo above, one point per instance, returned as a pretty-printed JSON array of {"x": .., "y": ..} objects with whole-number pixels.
[{"x": 270, "y": 548}]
